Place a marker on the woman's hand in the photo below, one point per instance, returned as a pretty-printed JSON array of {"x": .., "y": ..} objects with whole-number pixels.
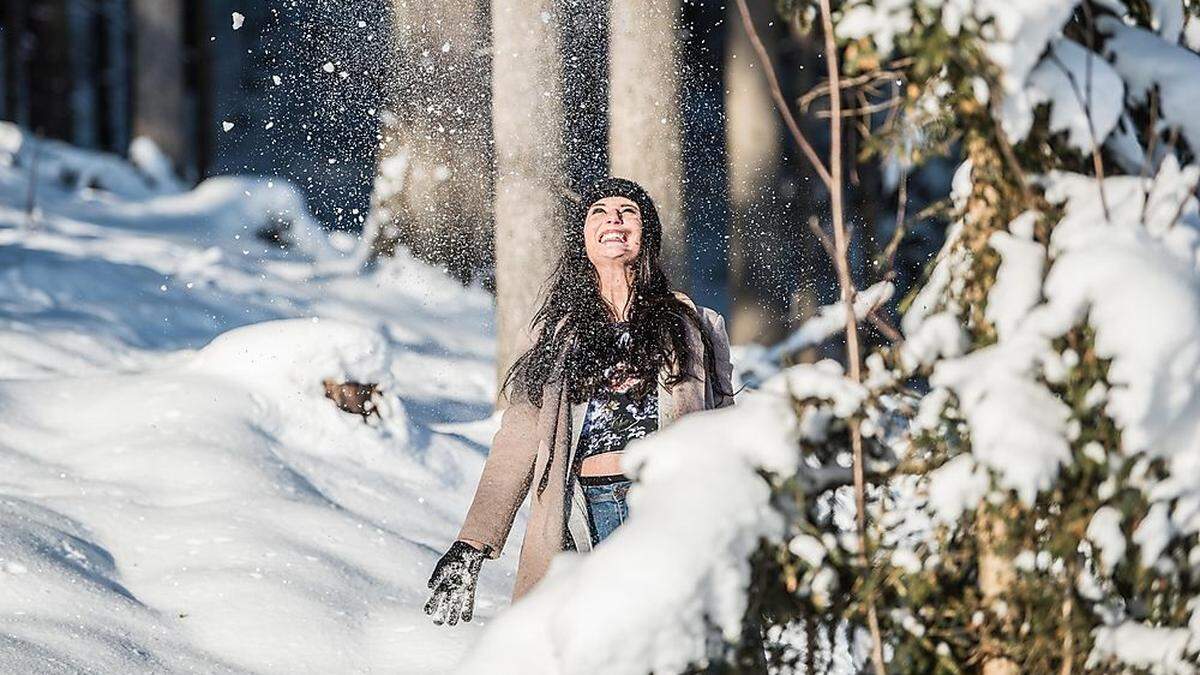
[{"x": 453, "y": 583}]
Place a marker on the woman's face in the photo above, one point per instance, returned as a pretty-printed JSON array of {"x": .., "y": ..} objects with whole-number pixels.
[{"x": 612, "y": 231}]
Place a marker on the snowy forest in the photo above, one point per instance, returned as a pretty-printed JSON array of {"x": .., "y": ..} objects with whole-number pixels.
[{"x": 265, "y": 265}]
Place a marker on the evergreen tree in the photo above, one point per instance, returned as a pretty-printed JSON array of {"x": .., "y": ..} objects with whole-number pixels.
[{"x": 1035, "y": 508}]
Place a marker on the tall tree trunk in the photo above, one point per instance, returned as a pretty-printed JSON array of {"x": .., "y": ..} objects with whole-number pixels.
[
  {"x": 644, "y": 132},
  {"x": 159, "y": 88},
  {"x": 114, "y": 75},
  {"x": 527, "y": 115},
  {"x": 48, "y": 33},
  {"x": 432, "y": 190},
  {"x": 996, "y": 577},
  {"x": 753, "y": 132},
  {"x": 4, "y": 68},
  {"x": 81, "y": 55},
  {"x": 8, "y": 43},
  {"x": 18, "y": 55},
  {"x": 198, "y": 86}
]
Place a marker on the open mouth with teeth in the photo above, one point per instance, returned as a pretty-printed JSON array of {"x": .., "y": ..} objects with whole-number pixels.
[{"x": 613, "y": 236}]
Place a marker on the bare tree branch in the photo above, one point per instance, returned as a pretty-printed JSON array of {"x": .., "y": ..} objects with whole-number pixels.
[
  {"x": 866, "y": 109},
  {"x": 777, "y": 95},
  {"x": 826, "y": 243},
  {"x": 1148, "y": 160},
  {"x": 889, "y": 253},
  {"x": 867, "y": 80},
  {"x": 842, "y": 248},
  {"x": 881, "y": 324},
  {"x": 1085, "y": 103}
]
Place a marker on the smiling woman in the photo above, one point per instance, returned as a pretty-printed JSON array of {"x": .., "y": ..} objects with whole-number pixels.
[{"x": 618, "y": 355}]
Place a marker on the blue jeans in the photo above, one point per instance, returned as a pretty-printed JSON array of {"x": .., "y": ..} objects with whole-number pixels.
[{"x": 607, "y": 508}]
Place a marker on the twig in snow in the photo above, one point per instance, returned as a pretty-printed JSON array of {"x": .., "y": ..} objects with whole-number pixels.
[
  {"x": 1182, "y": 203},
  {"x": 828, "y": 321},
  {"x": 1097, "y": 164},
  {"x": 31, "y": 195},
  {"x": 1148, "y": 160},
  {"x": 1085, "y": 103}
]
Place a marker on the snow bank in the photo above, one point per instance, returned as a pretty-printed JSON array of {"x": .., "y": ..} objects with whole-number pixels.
[
  {"x": 176, "y": 492},
  {"x": 242, "y": 215},
  {"x": 62, "y": 169},
  {"x": 250, "y": 208}
]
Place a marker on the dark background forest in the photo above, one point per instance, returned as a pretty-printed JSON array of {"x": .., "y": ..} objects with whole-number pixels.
[{"x": 326, "y": 92}]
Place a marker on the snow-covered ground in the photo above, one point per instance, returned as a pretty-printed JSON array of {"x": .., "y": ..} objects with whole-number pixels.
[{"x": 176, "y": 492}]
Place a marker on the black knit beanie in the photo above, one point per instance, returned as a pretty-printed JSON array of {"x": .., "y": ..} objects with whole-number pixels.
[{"x": 621, "y": 187}]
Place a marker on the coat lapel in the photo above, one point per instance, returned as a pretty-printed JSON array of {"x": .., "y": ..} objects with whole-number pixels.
[{"x": 686, "y": 396}]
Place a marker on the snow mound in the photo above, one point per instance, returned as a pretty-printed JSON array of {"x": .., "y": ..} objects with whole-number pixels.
[
  {"x": 287, "y": 353},
  {"x": 177, "y": 494}
]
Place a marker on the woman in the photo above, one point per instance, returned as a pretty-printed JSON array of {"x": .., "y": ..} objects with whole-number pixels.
[{"x": 623, "y": 356}]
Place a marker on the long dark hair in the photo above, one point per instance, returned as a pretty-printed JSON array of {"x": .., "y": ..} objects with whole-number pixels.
[{"x": 576, "y": 342}]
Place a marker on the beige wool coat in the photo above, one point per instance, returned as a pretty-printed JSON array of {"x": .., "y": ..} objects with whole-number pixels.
[{"x": 534, "y": 448}]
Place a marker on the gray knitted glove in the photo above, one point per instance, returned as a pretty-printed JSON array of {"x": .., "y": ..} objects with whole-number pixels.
[{"x": 453, "y": 583}]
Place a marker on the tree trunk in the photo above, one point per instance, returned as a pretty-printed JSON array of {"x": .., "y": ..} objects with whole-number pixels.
[
  {"x": 113, "y": 72},
  {"x": 159, "y": 88},
  {"x": 81, "y": 55},
  {"x": 14, "y": 80},
  {"x": 433, "y": 189},
  {"x": 996, "y": 576},
  {"x": 47, "y": 32},
  {"x": 527, "y": 115},
  {"x": 198, "y": 83},
  {"x": 753, "y": 134},
  {"x": 5, "y": 53},
  {"x": 644, "y": 132}
]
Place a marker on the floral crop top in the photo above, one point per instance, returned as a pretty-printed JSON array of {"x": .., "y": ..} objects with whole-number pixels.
[{"x": 616, "y": 415}]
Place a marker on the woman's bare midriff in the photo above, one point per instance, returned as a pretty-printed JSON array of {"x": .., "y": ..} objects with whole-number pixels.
[{"x": 603, "y": 464}]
